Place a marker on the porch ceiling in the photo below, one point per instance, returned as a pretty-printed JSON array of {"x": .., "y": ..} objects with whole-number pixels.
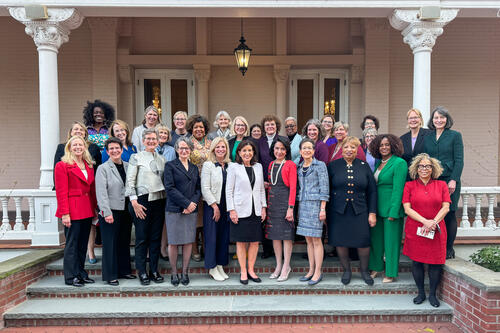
[{"x": 256, "y": 8}]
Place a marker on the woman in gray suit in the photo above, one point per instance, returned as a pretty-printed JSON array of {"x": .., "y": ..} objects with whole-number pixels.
[{"x": 115, "y": 221}]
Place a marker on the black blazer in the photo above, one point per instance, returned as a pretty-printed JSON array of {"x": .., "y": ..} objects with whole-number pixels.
[
  {"x": 182, "y": 186},
  {"x": 355, "y": 184},
  {"x": 409, "y": 153}
]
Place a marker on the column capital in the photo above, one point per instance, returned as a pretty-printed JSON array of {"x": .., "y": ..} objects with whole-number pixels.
[
  {"x": 202, "y": 72},
  {"x": 51, "y": 33},
  {"x": 281, "y": 73},
  {"x": 420, "y": 35}
]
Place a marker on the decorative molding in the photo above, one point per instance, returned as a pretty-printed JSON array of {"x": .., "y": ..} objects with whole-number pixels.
[
  {"x": 281, "y": 73},
  {"x": 420, "y": 35},
  {"x": 125, "y": 73},
  {"x": 99, "y": 25},
  {"x": 376, "y": 24},
  {"x": 357, "y": 73},
  {"x": 202, "y": 72},
  {"x": 50, "y": 33}
]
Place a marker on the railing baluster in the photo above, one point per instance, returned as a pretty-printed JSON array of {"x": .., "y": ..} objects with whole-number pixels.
[
  {"x": 490, "y": 223},
  {"x": 478, "y": 222},
  {"x": 31, "y": 221},
  {"x": 19, "y": 226},
  {"x": 5, "y": 214},
  {"x": 465, "y": 216}
]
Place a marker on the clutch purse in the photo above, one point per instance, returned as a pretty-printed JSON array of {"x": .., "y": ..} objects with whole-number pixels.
[{"x": 422, "y": 233}]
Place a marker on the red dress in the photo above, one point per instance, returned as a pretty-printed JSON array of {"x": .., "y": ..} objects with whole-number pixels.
[{"x": 426, "y": 200}]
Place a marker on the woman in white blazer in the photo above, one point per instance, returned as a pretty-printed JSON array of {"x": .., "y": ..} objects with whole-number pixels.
[
  {"x": 246, "y": 204},
  {"x": 215, "y": 215},
  {"x": 115, "y": 221}
]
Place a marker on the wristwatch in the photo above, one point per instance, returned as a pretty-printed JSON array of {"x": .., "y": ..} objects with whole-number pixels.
[{"x": 290, "y": 206}]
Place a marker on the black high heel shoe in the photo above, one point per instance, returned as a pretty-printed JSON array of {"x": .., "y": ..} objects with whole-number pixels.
[
  {"x": 434, "y": 301},
  {"x": 419, "y": 299},
  {"x": 185, "y": 279},
  {"x": 174, "y": 280},
  {"x": 367, "y": 278},
  {"x": 346, "y": 278}
]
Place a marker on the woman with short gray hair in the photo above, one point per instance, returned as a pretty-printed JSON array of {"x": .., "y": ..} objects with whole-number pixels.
[
  {"x": 146, "y": 192},
  {"x": 182, "y": 184},
  {"x": 447, "y": 146},
  {"x": 223, "y": 124}
]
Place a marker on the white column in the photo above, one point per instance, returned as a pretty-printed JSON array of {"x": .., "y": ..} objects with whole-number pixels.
[
  {"x": 48, "y": 35},
  {"x": 281, "y": 73},
  {"x": 202, "y": 74},
  {"x": 421, "y": 36}
]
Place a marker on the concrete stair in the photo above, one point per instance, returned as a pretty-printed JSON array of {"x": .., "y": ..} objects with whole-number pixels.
[{"x": 205, "y": 301}]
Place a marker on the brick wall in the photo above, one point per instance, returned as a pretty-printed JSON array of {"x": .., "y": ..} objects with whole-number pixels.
[
  {"x": 13, "y": 287},
  {"x": 475, "y": 310}
]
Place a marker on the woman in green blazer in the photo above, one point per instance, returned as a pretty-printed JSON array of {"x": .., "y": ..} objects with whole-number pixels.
[
  {"x": 390, "y": 175},
  {"x": 447, "y": 146}
]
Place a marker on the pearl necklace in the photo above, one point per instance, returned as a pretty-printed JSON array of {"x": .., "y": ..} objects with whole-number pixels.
[{"x": 274, "y": 181}]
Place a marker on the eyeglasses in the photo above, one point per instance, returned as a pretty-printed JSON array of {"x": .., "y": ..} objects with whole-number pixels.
[
  {"x": 413, "y": 118},
  {"x": 290, "y": 126},
  {"x": 179, "y": 119},
  {"x": 370, "y": 137},
  {"x": 184, "y": 148},
  {"x": 240, "y": 125},
  {"x": 327, "y": 121},
  {"x": 424, "y": 167}
]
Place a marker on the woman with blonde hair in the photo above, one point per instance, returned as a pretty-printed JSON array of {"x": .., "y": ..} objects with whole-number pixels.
[
  {"x": 240, "y": 131},
  {"x": 215, "y": 215},
  {"x": 79, "y": 129},
  {"x": 426, "y": 201},
  {"x": 76, "y": 206},
  {"x": 119, "y": 129},
  {"x": 413, "y": 140}
]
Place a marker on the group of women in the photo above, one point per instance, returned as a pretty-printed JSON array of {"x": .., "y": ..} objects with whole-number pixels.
[{"x": 250, "y": 185}]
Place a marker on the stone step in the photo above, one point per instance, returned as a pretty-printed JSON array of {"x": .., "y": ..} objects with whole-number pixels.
[
  {"x": 204, "y": 285},
  {"x": 298, "y": 264},
  {"x": 223, "y": 310}
]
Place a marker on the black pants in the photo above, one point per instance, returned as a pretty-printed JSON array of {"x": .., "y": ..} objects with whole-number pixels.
[
  {"x": 450, "y": 220},
  {"x": 148, "y": 233},
  {"x": 216, "y": 236},
  {"x": 75, "y": 250},
  {"x": 116, "y": 245}
]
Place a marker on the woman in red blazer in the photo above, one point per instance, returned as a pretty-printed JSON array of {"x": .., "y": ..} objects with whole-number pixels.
[
  {"x": 76, "y": 206},
  {"x": 281, "y": 201}
]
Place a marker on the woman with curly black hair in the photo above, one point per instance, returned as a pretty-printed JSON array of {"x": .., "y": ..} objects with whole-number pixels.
[
  {"x": 98, "y": 116},
  {"x": 390, "y": 175}
]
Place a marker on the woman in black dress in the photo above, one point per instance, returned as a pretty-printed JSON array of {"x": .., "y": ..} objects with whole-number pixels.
[
  {"x": 246, "y": 204},
  {"x": 353, "y": 207},
  {"x": 282, "y": 191}
]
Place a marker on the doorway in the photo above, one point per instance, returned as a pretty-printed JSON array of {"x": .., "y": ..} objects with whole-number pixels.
[{"x": 168, "y": 90}]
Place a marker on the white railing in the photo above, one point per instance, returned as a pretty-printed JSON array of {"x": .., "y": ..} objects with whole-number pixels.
[
  {"x": 480, "y": 227},
  {"x": 43, "y": 228}
]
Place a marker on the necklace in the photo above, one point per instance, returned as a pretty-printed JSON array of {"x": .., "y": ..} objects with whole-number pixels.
[
  {"x": 274, "y": 181},
  {"x": 385, "y": 161}
]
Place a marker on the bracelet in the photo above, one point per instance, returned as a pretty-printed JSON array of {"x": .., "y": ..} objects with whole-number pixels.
[{"x": 323, "y": 210}]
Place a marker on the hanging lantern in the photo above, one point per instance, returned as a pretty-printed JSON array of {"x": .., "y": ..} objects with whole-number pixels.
[{"x": 242, "y": 53}]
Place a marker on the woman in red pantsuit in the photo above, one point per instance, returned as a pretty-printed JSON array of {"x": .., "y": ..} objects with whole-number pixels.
[
  {"x": 76, "y": 206},
  {"x": 426, "y": 201}
]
